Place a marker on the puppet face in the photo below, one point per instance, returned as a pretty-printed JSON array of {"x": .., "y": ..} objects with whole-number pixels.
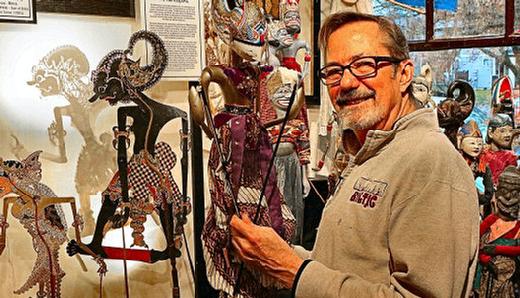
[
  {"x": 421, "y": 92},
  {"x": 248, "y": 51},
  {"x": 508, "y": 194},
  {"x": 472, "y": 146},
  {"x": 292, "y": 21},
  {"x": 501, "y": 136},
  {"x": 46, "y": 82},
  {"x": 109, "y": 88},
  {"x": 282, "y": 96}
]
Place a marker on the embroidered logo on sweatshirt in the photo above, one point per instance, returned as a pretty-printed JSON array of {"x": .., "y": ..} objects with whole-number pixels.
[{"x": 368, "y": 191}]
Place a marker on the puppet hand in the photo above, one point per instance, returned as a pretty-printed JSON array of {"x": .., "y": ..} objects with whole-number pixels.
[
  {"x": 262, "y": 249},
  {"x": 305, "y": 181}
]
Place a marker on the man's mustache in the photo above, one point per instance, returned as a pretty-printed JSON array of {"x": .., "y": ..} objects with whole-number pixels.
[{"x": 353, "y": 95}]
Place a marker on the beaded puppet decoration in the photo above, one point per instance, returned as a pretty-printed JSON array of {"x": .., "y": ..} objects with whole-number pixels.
[
  {"x": 294, "y": 149},
  {"x": 422, "y": 87},
  {"x": 470, "y": 144},
  {"x": 63, "y": 71},
  {"x": 144, "y": 184},
  {"x": 37, "y": 208},
  {"x": 498, "y": 154},
  {"x": 498, "y": 272},
  {"x": 452, "y": 111},
  {"x": 239, "y": 171}
]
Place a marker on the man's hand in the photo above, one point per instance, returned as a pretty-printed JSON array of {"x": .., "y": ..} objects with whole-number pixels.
[{"x": 262, "y": 248}]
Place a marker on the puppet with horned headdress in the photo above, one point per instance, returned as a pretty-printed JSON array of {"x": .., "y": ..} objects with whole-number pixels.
[
  {"x": 144, "y": 184},
  {"x": 240, "y": 153}
]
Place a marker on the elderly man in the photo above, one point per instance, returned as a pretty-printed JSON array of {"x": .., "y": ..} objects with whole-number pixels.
[{"x": 404, "y": 219}]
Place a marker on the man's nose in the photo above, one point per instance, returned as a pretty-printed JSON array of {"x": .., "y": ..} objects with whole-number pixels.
[{"x": 348, "y": 80}]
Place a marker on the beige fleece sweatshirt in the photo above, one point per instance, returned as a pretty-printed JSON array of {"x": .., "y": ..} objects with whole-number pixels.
[{"x": 403, "y": 221}]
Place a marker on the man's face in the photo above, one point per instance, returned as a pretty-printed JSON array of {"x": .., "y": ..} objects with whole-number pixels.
[
  {"x": 363, "y": 103},
  {"x": 472, "y": 146},
  {"x": 502, "y": 137}
]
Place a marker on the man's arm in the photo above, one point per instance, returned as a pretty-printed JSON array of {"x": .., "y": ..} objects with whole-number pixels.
[{"x": 432, "y": 239}]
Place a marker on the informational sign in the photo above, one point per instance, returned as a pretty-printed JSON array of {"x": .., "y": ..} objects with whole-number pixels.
[
  {"x": 179, "y": 24},
  {"x": 18, "y": 11}
]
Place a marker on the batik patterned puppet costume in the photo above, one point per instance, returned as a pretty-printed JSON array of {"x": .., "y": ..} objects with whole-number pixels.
[
  {"x": 239, "y": 155},
  {"x": 294, "y": 149},
  {"x": 470, "y": 145},
  {"x": 498, "y": 154},
  {"x": 47, "y": 230},
  {"x": 151, "y": 186},
  {"x": 499, "y": 266}
]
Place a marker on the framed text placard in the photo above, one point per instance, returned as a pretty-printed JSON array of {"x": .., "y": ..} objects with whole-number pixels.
[
  {"x": 18, "y": 11},
  {"x": 179, "y": 24}
]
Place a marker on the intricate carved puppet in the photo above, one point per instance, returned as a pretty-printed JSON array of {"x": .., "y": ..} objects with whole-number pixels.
[
  {"x": 499, "y": 267},
  {"x": 470, "y": 145},
  {"x": 240, "y": 153},
  {"x": 147, "y": 175},
  {"x": 37, "y": 208},
  {"x": 63, "y": 72},
  {"x": 452, "y": 111},
  {"x": 498, "y": 154},
  {"x": 294, "y": 149}
]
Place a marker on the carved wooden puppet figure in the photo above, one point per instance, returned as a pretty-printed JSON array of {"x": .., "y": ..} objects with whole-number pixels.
[
  {"x": 240, "y": 154},
  {"x": 470, "y": 144},
  {"x": 498, "y": 153},
  {"x": 144, "y": 184},
  {"x": 452, "y": 111},
  {"x": 293, "y": 152},
  {"x": 63, "y": 72},
  {"x": 422, "y": 87},
  {"x": 37, "y": 208},
  {"x": 499, "y": 267}
]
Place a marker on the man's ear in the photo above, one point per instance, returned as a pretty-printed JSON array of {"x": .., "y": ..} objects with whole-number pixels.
[{"x": 407, "y": 71}]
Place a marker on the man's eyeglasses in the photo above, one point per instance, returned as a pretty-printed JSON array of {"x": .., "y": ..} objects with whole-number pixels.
[{"x": 361, "y": 68}]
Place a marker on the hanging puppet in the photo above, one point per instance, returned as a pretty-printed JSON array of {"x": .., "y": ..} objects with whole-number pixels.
[
  {"x": 240, "y": 154},
  {"x": 498, "y": 271},
  {"x": 470, "y": 144},
  {"x": 144, "y": 184},
  {"x": 37, "y": 208},
  {"x": 498, "y": 153},
  {"x": 63, "y": 71},
  {"x": 294, "y": 150},
  {"x": 452, "y": 111}
]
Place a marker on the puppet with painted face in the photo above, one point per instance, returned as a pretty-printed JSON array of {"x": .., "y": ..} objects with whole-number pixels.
[
  {"x": 498, "y": 270},
  {"x": 293, "y": 152},
  {"x": 241, "y": 151},
  {"x": 470, "y": 145},
  {"x": 422, "y": 87},
  {"x": 498, "y": 153}
]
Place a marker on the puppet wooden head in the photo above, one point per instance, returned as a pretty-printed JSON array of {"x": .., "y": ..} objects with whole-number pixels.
[
  {"x": 422, "y": 86},
  {"x": 241, "y": 25},
  {"x": 500, "y": 132},
  {"x": 508, "y": 194},
  {"x": 469, "y": 140}
]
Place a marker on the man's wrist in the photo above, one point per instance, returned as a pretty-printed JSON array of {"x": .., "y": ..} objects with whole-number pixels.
[{"x": 297, "y": 276}]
